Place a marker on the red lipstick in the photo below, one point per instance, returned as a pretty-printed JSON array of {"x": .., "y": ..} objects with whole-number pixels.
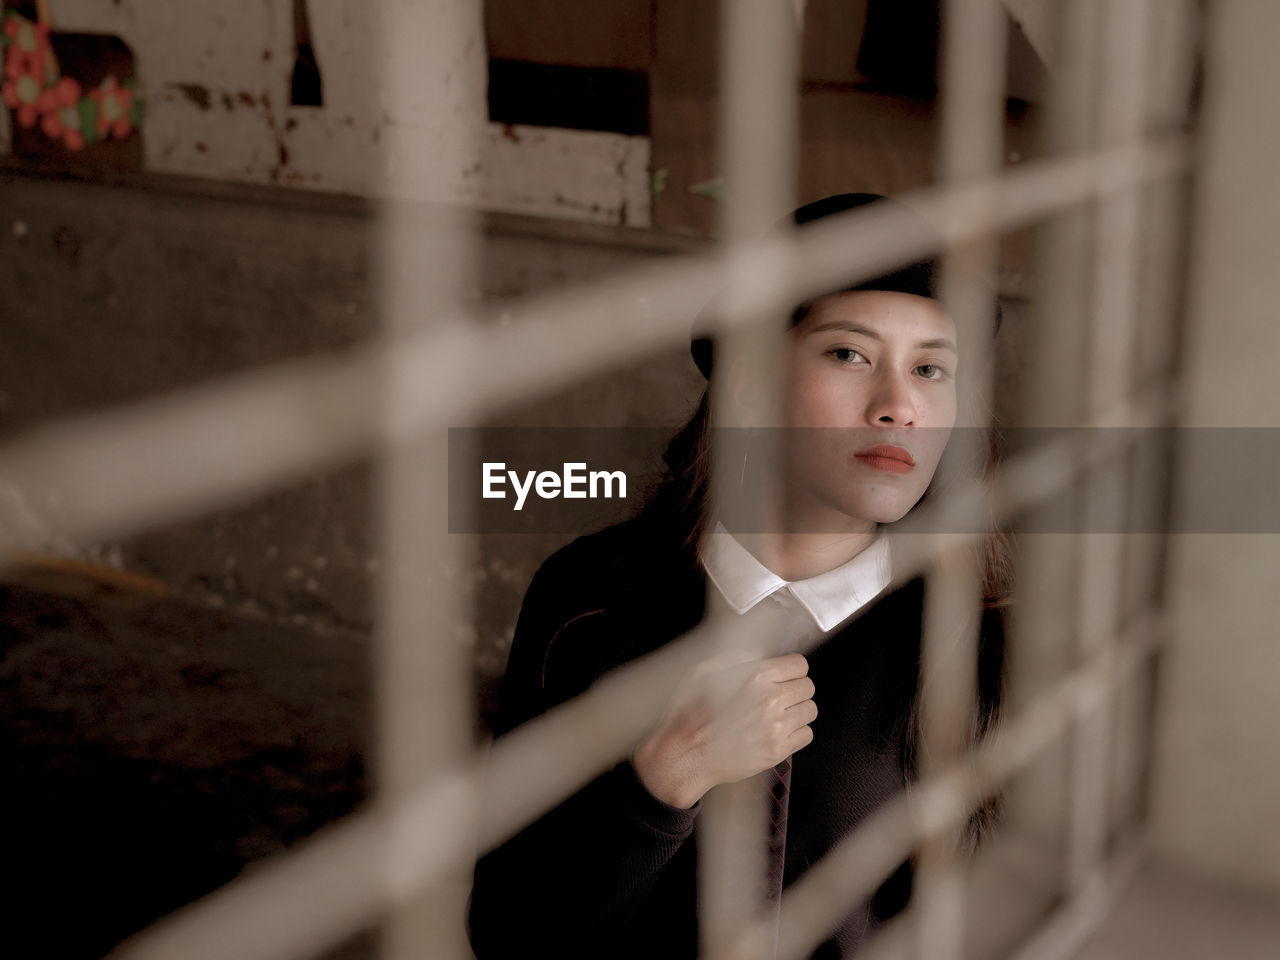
[{"x": 888, "y": 458}]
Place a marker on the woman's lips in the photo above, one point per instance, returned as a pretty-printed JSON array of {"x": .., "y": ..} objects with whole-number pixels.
[{"x": 887, "y": 458}]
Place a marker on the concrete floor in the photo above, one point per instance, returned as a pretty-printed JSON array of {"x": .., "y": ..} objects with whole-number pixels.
[
  {"x": 152, "y": 750},
  {"x": 1173, "y": 916}
]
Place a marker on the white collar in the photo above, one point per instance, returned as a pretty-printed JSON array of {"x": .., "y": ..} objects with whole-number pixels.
[{"x": 829, "y": 598}]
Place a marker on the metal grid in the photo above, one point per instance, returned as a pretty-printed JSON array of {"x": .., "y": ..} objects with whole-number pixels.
[{"x": 404, "y": 858}]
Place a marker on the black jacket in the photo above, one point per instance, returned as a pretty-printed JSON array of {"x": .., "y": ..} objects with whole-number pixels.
[{"x": 611, "y": 872}]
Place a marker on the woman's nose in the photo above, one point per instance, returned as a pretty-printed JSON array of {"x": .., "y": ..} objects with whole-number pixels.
[{"x": 892, "y": 402}]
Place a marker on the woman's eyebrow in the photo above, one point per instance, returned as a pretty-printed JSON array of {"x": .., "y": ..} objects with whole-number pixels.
[{"x": 942, "y": 343}]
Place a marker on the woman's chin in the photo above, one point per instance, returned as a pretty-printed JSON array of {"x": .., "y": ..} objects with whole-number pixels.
[
  {"x": 848, "y": 508},
  {"x": 880, "y": 511}
]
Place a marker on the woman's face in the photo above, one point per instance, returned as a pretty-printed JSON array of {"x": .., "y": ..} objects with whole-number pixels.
[{"x": 871, "y": 401}]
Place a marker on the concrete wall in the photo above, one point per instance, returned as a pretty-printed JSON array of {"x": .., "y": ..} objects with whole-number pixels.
[
  {"x": 1217, "y": 785},
  {"x": 115, "y": 294}
]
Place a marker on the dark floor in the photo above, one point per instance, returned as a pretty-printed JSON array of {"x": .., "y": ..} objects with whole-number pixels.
[{"x": 151, "y": 751}]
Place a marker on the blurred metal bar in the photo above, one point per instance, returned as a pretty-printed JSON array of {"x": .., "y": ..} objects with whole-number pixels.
[
  {"x": 971, "y": 149},
  {"x": 756, "y": 153},
  {"x": 974, "y": 41},
  {"x": 424, "y": 693},
  {"x": 1040, "y": 648},
  {"x": 758, "y": 111},
  {"x": 222, "y": 442},
  {"x": 1109, "y": 368},
  {"x": 1160, "y": 319},
  {"x": 423, "y": 688},
  {"x": 948, "y": 691}
]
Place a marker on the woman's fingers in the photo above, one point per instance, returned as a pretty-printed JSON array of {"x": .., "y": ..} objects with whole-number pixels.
[
  {"x": 800, "y": 739},
  {"x": 789, "y": 730},
  {"x": 789, "y": 666},
  {"x": 791, "y": 692},
  {"x": 803, "y": 713},
  {"x": 730, "y": 720}
]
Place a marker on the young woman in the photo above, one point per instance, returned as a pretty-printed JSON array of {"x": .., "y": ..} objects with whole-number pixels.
[{"x": 870, "y": 399}]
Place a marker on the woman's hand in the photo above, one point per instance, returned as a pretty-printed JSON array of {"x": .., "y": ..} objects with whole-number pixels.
[{"x": 727, "y": 722}]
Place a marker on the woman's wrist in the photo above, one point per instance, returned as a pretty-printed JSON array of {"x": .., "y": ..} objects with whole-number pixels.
[{"x": 665, "y": 777}]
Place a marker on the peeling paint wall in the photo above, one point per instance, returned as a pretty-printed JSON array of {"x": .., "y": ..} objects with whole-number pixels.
[
  {"x": 217, "y": 84},
  {"x": 568, "y": 174}
]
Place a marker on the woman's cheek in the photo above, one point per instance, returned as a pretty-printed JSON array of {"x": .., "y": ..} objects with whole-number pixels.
[{"x": 824, "y": 403}]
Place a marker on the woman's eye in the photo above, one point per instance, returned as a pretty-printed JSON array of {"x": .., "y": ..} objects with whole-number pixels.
[
  {"x": 846, "y": 354},
  {"x": 932, "y": 371}
]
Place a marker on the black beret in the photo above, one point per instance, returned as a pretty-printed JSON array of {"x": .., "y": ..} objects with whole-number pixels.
[{"x": 920, "y": 278}]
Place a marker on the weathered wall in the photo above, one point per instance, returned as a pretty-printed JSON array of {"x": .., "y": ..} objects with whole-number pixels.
[
  {"x": 216, "y": 79},
  {"x": 1217, "y": 780}
]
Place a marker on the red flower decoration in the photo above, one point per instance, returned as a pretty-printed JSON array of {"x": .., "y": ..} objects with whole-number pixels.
[
  {"x": 25, "y": 69},
  {"x": 29, "y": 51},
  {"x": 61, "y": 118},
  {"x": 22, "y": 95},
  {"x": 67, "y": 92},
  {"x": 114, "y": 103},
  {"x": 17, "y": 63}
]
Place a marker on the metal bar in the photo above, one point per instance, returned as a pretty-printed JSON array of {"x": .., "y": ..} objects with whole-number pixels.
[
  {"x": 948, "y": 692},
  {"x": 758, "y": 89},
  {"x": 1160, "y": 301},
  {"x": 974, "y": 34},
  {"x": 756, "y": 153},
  {"x": 423, "y": 691},
  {"x": 1123, "y": 71},
  {"x": 1040, "y": 650}
]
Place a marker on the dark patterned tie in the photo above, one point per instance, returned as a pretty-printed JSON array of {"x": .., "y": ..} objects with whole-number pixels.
[
  {"x": 777, "y": 782},
  {"x": 773, "y": 786}
]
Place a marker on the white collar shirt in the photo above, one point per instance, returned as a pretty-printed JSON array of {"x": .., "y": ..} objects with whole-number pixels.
[{"x": 820, "y": 602}]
